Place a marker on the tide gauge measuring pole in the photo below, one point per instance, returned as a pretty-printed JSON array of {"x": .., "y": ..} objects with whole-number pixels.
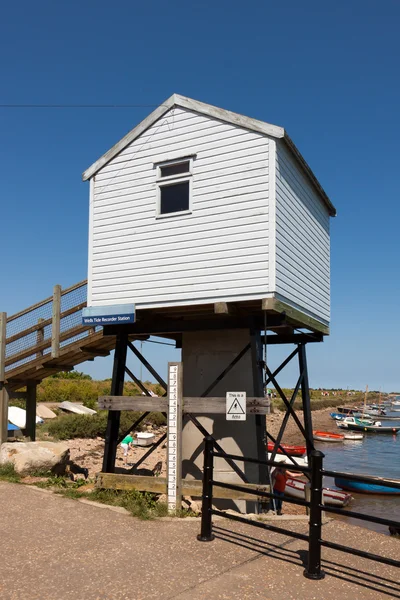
[{"x": 174, "y": 439}]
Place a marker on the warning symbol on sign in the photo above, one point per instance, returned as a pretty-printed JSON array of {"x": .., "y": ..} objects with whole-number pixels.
[{"x": 236, "y": 406}]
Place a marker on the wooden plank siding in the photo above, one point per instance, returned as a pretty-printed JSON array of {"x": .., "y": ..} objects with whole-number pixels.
[
  {"x": 302, "y": 246},
  {"x": 221, "y": 251}
]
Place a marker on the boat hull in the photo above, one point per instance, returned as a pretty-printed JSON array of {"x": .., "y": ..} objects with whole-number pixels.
[
  {"x": 291, "y": 450},
  {"x": 296, "y": 489},
  {"x": 285, "y": 460},
  {"x": 365, "y": 488},
  {"x": 355, "y": 435},
  {"x": 326, "y": 436},
  {"x": 372, "y": 428}
]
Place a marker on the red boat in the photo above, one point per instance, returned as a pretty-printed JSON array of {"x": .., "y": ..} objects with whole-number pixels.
[
  {"x": 291, "y": 450},
  {"x": 327, "y": 436}
]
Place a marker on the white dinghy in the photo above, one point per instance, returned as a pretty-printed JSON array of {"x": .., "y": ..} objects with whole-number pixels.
[{"x": 17, "y": 416}]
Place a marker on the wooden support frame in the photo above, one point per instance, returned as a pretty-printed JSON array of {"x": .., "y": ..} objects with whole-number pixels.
[
  {"x": 257, "y": 405},
  {"x": 117, "y": 386},
  {"x": 190, "y": 404},
  {"x": 30, "y": 426},
  {"x": 40, "y": 343},
  {"x": 55, "y": 326},
  {"x": 3, "y": 335},
  {"x": 158, "y": 485},
  {"x": 3, "y": 413},
  {"x": 294, "y": 315}
]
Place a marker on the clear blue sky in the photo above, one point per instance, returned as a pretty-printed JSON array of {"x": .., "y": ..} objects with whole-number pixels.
[{"x": 328, "y": 72}]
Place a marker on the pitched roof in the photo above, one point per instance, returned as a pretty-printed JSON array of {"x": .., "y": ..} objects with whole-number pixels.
[{"x": 217, "y": 113}]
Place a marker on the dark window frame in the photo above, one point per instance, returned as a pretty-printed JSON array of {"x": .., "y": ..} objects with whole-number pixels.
[{"x": 176, "y": 179}]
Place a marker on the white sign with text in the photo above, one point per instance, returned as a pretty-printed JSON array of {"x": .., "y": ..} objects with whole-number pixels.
[{"x": 236, "y": 406}]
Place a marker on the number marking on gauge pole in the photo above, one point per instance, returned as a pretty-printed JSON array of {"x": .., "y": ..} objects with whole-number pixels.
[{"x": 174, "y": 438}]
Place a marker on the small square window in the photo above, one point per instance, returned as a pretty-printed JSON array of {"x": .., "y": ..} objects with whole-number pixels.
[
  {"x": 174, "y": 187},
  {"x": 174, "y": 197}
]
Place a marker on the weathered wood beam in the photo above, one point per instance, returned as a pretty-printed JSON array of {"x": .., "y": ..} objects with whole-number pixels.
[
  {"x": 221, "y": 308},
  {"x": 57, "y": 367},
  {"x": 295, "y": 338},
  {"x": 3, "y": 413},
  {"x": 3, "y": 333},
  {"x": 55, "y": 325},
  {"x": 136, "y": 403},
  {"x": 299, "y": 318},
  {"x": 17, "y": 395},
  {"x": 95, "y": 351},
  {"x": 157, "y": 326},
  {"x": 158, "y": 485},
  {"x": 70, "y": 353},
  {"x": 195, "y": 404},
  {"x": 30, "y": 425}
]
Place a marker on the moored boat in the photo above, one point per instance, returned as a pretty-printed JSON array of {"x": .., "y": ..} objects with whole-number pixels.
[
  {"x": 337, "y": 416},
  {"x": 367, "y": 488},
  {"x": 291, "y": 450},
  {"x": 286, "y": 460},
  {"x": 353, "y": 435},
  {"x": 327, "y": 436},
  {"x": 347, "y": 410},
  {"x": 296, "y": 489},
  {"x": 358, "y": 425}
]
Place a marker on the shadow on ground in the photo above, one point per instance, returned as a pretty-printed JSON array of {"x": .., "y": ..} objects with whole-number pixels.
[{"x": 344, "y": 572}]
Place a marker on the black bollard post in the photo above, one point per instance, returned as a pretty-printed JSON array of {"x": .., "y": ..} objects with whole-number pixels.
[
  {"x": 313, "y": 570},
  {"x": 206, "y": 534}
]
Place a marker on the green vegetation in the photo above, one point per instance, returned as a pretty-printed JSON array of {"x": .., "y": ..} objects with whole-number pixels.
[
  {"x": 70, "y": 375},
  {"x": 67, "y": 427},
  {"x": 7, "y": 473},
  {"x": 77, "y": 387},
  {"x": 143, "y": 505}
]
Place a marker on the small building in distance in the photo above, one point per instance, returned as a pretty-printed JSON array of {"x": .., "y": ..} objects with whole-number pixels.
[{"x": 198, "y": 205}]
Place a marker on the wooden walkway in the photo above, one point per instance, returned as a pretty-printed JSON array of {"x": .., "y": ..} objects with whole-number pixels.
[{"x": 48, "y": 337}]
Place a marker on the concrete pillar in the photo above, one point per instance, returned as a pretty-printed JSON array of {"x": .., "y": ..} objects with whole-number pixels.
[{"x": 204, "y": 355}]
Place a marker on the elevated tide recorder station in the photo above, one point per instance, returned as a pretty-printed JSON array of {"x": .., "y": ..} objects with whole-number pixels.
[{"x": 209, "y": 228}]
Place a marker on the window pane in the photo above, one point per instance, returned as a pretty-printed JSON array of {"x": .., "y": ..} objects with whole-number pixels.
[
  {"x": 169, "y": 170},
  {"x": 174, "y": 197}
]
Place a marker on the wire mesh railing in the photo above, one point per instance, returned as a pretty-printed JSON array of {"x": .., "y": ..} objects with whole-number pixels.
[{"x": 30, "y": 333}]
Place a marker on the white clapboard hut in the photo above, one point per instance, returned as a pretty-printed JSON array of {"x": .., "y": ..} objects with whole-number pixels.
[{"x": 199, "y": 205}]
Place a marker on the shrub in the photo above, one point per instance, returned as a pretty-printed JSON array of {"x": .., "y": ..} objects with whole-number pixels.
[
  {"x": 84, "y": 391},
  {"x": 140, "y": 504},
  {"x": 67, "y": 427}
]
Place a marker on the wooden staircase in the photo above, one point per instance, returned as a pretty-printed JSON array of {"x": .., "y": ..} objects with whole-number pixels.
[{"x": 48, "y": 337}]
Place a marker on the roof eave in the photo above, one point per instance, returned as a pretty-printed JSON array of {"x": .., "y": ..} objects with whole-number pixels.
[
  {"x": 129, "y": 137},
  {"x": 291, "y": 145}
]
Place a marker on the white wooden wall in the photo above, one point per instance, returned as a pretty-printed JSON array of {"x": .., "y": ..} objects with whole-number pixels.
[
  {"x": 302, "y": 255},
  {"x": 218, "y": 252}
]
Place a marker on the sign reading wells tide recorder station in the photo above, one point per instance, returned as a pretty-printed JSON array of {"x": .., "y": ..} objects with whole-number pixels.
[{"x": 115, "y": 314}]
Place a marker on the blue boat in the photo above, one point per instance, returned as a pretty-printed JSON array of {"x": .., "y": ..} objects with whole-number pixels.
[
  {"x": 366, "y": 488},
  {"x": 337, "y": 416}
]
